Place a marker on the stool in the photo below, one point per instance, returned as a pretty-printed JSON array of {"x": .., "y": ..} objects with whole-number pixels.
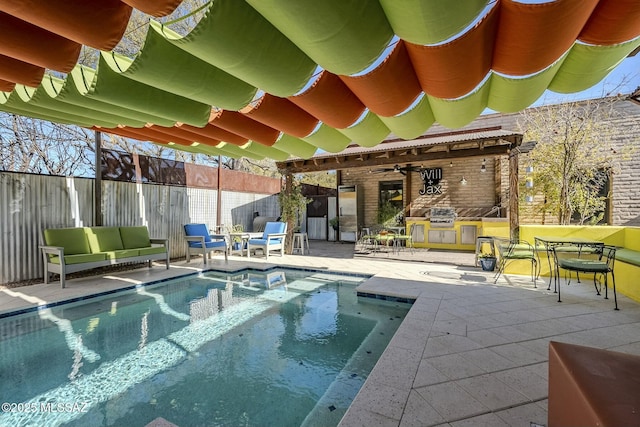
[
  {"x": 480, "y": 240},
  {"x": 299, "y": 240}
]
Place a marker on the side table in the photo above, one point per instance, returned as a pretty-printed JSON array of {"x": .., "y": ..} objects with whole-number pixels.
[{"x": 299, "y": 240}]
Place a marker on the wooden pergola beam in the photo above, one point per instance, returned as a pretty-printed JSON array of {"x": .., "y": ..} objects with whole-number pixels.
[{"x": 390, "y": 158}]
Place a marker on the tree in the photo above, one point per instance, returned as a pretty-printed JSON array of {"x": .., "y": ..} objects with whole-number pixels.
[
  {"x": 30, "y": 145},
  {"x": 573, "y": 157},
  {"x": 291, "y": 204}
]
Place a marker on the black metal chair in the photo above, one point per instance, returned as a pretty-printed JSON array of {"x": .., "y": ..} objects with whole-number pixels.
[
  {"x": 516, "y": 250},
  {"x": 602, "y": 265}
]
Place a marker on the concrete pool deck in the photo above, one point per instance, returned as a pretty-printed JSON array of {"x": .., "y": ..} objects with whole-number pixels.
[{"x": 469, "y": 353}]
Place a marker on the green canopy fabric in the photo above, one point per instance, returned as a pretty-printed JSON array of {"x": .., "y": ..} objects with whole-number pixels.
[
  {"x": 240, "y": 41},
  {"x": 343, "y": 37},
  {"x": 166, "y": 66},
  {"x": 509, "y": 95},
  {"x": 328, "y": 139},
  {"x": 368, "y": 132},
  {"x": 72, "y": 92},
  {"x": 295, "y": 146},
  {"x": 455, "y": 113},
  {"x": 115, "y": 88},
  {"x": 10, "y": 102},
  {"x": 14, "y": 103},
  {"x": 46, "y": 94},
  {"x": 228, "y": 150},
  {"x": 430, "y": 22},
  {"x": 586, "y": 65},
  {"x": 412, "y": 123}
]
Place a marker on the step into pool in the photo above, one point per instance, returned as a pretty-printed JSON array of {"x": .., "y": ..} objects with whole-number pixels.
[{"x": 282, "y": 347}]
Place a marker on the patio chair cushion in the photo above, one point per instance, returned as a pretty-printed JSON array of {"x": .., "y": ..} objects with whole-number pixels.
[
  {"x": 104, "y": 239},
  {"x": 270, "y": 228},
  {"x": 135, "y": 237},
  {"x": 197, "y": 230},
  {"x": 209, "y": 244},
  {"x": 73, "y": 240},
  {"x": 585, "y": 265},
  {"x": 629, "y": 256}
]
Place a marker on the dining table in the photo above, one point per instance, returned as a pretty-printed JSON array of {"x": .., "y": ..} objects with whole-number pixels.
[{"x": 568, "y": 244}]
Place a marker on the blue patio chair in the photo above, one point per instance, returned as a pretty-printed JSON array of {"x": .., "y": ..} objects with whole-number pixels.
[
  {"x": 272, "y": 239},
  {"x": 200, "y": 242}
]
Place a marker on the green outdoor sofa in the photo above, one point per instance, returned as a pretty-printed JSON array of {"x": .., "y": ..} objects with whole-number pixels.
[{"x": 69, "y": 250}]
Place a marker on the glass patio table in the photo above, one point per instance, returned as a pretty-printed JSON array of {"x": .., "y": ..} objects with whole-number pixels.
[{"x": 573, "y": 244}]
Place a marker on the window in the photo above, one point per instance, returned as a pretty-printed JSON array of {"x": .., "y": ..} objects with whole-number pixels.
[{"x": 390, "y": 202}]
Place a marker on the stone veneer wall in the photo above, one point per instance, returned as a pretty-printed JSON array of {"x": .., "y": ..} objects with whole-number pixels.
[{"x": 479, "y": 195}]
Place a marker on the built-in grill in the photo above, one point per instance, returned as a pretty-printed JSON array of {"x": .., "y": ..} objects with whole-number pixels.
[{"x": 442, "y": 217}]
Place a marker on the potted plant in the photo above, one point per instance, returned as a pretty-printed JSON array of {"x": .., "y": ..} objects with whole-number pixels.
[
  {"x": 334, "y": 223},
  {"x": 237, "y": 240},
  {"x": 487, "y": 262}
]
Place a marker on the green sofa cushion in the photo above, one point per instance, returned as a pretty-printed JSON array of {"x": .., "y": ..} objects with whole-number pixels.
[
  {"x": 73, "y": 240},
  {"x": 629, "y": 256},
  {"x": 104, "y": 239},
  {"x": 78, "y": 258},
  {"x": 135, "y": 237},
  {"x": 152, "y": 250},
  {"x": 123, "y": 253}
]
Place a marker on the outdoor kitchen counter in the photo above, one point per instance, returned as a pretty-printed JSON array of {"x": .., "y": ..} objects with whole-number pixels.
[{"x": 459, "y": 234}]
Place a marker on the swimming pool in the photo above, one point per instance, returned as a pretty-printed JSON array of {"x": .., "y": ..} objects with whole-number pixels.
[{"x": 282, "y": 347}]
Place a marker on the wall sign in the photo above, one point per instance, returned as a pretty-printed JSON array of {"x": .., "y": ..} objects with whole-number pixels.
[{"x": 431, "y": 181}]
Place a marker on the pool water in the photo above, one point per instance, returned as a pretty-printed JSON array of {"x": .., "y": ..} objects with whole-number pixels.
[{"x": 277, "y": 348}]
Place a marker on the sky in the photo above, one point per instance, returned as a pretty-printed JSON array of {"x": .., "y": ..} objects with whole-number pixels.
[{"x": 624, "y": 79}]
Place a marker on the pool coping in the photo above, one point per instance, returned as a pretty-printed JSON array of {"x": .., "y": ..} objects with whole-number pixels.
[{"x": 36, "y": 307}]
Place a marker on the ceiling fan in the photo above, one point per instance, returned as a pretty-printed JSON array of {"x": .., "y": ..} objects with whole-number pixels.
[{"x": 399, "y": 169}]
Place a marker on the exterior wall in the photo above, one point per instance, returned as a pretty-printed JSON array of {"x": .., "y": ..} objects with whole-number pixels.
[{"x": 482, "y": 192}]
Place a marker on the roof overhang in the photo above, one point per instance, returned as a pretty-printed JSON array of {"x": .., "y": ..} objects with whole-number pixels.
[{"x": 450, "y": 145}]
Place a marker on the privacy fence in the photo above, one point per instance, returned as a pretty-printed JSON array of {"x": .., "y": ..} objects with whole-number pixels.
[{"x": 30, "y": 203}]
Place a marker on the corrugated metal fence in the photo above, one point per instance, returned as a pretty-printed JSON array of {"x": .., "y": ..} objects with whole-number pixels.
[{"x": 31, "y": 203}]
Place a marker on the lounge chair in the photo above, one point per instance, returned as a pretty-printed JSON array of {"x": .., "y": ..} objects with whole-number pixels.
[
  {"x": 272, "y": 239},
  {"x": 200, "y": 242}
]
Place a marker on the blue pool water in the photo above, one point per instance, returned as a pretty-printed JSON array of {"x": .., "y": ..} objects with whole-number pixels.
[{"x": 275, "y": 348}]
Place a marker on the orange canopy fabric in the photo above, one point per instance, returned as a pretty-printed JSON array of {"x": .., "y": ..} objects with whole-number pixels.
[
  {"x": 396, "y": 75},
  {"x": 282, "y": 114},
  {"x": 242, "y": 125},
  {"x": 603, "y": 27},
  {"x": 154, "y": 7},
  {"x": 213, "y": 132},
  {"x": 533, "y": 36},
  {"x": 34, "y": 45},
  {"x": 6, "y": 86},
  {"x": 454, "y": 69},
  {"x": 96, "y": 23},
  {"x": 331, "y": 101},
  {"x": 17, "y": 71}
]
